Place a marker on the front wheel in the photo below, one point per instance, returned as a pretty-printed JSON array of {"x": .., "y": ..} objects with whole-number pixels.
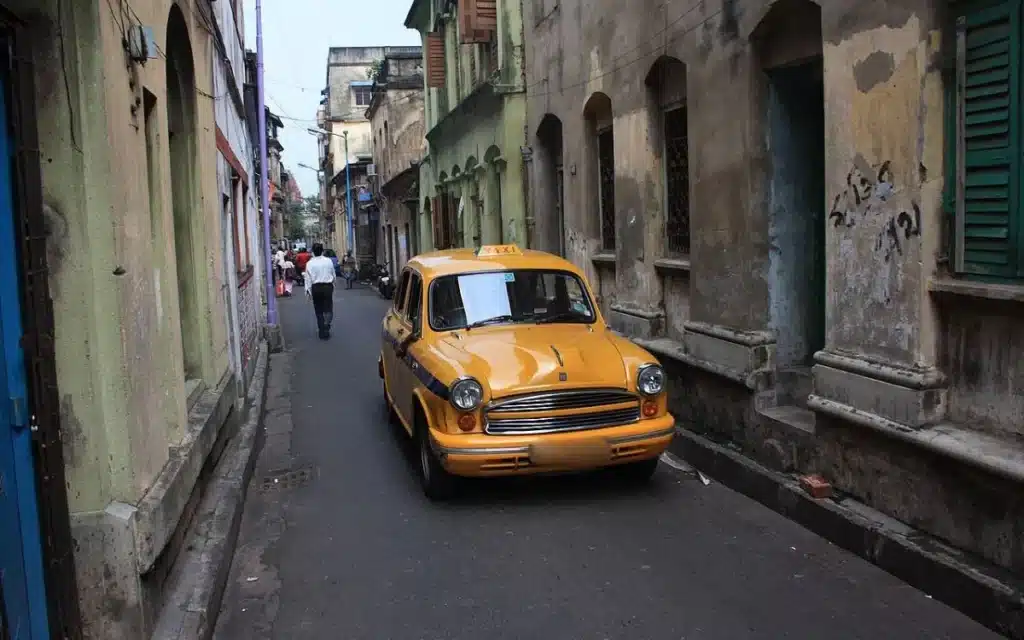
[{"x": 437, "y": 483}]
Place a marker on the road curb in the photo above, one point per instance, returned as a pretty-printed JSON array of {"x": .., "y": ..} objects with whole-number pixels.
[
  {"x": 980, "y": 590},
  {"x": 194, "y": 599}
]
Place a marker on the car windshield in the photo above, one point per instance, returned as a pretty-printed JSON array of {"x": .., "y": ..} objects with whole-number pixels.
[{"x": 508, "y": 297}]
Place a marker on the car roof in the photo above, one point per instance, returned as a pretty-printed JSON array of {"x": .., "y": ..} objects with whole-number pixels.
[{"x": 455, "y": 261}]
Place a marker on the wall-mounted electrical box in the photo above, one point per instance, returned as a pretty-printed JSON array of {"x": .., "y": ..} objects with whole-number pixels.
[{"x": 142, "y": 43}]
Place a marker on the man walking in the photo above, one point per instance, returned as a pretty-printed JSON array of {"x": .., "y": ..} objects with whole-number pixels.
[{"x": 320, "y": 287}]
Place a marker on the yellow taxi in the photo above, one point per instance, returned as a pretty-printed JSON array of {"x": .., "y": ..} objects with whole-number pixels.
[{"x": 497, "y": 361}]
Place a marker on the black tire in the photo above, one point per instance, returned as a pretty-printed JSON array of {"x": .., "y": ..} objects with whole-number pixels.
[
  {"x": 639, "y": 472},
  {"x": 437, "y": 483}
]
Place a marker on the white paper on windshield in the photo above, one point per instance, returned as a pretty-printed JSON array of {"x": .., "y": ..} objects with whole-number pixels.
[{"x": 484, "y": 296}]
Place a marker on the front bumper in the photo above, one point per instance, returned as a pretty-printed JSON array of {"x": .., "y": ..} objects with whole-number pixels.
[{"x": 487, "y": 455}]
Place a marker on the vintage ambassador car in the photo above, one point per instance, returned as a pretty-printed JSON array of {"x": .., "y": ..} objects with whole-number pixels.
[{"x": 498, "y": 362}]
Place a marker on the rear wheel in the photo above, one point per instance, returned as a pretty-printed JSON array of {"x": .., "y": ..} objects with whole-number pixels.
[
  {"x": 639, "y": 472},
  {"x": 437, "y": 483}
]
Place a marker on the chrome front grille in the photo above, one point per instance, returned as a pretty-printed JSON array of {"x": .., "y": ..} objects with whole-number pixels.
[
  {"x": 573, "y": 422},
  {"x": 561, "y": 400}
]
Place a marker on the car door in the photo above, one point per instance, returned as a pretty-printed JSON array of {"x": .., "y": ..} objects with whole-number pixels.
[
  {"x": 411, "y": 364},
  {"x": 392, "y": 324}
]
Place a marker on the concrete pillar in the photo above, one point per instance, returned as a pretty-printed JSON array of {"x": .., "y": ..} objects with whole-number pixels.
[
  {"x": 640, "y": 229},
  {"x": 492, "y": 215},
  {"x": 470, "y": 224},
  {"x": 880, "y": 322}
]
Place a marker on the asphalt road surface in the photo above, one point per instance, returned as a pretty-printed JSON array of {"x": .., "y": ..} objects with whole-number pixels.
[{"x": 343, "y": 545}]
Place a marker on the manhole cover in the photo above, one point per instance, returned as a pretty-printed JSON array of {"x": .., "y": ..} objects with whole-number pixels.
[{"x": 287, "y": 479}]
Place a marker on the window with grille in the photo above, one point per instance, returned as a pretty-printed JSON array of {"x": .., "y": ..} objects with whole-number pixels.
[
  {"x": 983, "y": 134},
  {"x": 606, "y": 186},
  {"x": 677, "y": 183}
]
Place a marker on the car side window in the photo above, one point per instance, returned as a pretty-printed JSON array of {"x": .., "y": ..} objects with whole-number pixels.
[
  {"x": 415, "y": 306},
  {"x": 403, "y": 284}
]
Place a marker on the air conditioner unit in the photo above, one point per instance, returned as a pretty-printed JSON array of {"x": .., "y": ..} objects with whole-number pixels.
[{"x": 371, "y": 169}]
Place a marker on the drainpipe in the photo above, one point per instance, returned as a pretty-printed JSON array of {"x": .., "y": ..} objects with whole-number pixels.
[
  {"x": 348, "y": 200},
  {"x": 264, "y": 190}
]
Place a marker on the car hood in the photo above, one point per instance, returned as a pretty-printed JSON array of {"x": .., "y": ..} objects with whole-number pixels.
[{"x": 522, "y": 359}]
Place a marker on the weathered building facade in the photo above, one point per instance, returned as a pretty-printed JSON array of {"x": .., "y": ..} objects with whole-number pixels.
[
  {"x": 795, "y": 205},
  {"x": 396, "y": 120},
  {"x": 275, "y": 178},
  {"x": 116, "y": 337},
  {"x": 347, "y": 140},
  {"x": 472, "y": 178},
  {"x": 238, "y": 184}
]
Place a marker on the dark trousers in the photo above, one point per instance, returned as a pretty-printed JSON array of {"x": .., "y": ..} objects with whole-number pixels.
[{"x": 323, "y": 306}]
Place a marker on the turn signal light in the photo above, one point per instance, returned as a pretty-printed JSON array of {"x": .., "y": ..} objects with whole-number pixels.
[
  {"x": 650, "y": 408},
  {"x": 467, "y": 422}
]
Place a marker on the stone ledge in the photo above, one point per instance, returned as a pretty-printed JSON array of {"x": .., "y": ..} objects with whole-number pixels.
[
  {"x": 604, "y": 259},
  {"x": 664, "y": 347},
  {"x": 161, "y": 507},
  {"x": 746, "y": 338},
  {"x": 976, "y": 588},
  {"x": 1003, "y": 457},
  {"x": 200, "y": 580},
  {"x": 914, "y": 378},
  {"x": 908, "y": 406},
  {"x": 636, "y": 321},
  {"x": 981, "y": 290},
  {"x": 677, "y": 265}
]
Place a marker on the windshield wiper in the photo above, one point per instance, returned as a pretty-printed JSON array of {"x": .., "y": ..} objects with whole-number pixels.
[
  {"x": 561, "y": 315},
  {"x": 487, "y": 321}
]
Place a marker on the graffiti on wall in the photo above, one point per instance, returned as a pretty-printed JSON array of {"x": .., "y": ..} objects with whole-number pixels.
[{"x": 870, "y": 195}]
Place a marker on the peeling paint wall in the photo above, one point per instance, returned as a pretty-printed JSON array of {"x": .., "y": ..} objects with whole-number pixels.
[
  {"x": 881, "y": 141},
  {"x": 112, "y": 267}
]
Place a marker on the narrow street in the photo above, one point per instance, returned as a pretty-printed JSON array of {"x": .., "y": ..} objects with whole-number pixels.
[{"x": 351, "y": 550}]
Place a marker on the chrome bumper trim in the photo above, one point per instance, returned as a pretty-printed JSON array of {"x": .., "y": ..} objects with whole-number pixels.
[
  {"x": 643, "y": 436},
  {"x": 491, "y": 451},
  {"x": 479, "y": 451}
]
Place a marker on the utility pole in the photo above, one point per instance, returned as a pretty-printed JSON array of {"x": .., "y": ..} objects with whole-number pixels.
[
  {"x": 348, "y": 199},
  {"x": 264, "y": 189}
]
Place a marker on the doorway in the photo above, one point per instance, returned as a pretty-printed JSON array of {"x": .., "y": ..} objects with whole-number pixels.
[
  {"x": 549, "y": 163},
  {"x": 796, "y": 142},
  {"x": 181, "y": 132},
  {"x": 23, "y": 614}
]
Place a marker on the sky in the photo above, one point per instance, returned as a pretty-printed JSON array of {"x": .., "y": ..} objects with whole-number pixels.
[{"x": 296, "y": 37}]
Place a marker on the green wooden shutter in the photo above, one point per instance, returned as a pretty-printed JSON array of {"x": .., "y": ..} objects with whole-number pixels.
[{"x": 987, "y": 154}]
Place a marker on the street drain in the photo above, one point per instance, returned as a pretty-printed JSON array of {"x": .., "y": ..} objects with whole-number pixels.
[{"x": 287, "y": 479}]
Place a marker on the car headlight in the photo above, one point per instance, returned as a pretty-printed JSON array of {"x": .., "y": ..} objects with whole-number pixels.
[
  {"x": 466, "y": 394},
  {"x": 650, "y": 381}
]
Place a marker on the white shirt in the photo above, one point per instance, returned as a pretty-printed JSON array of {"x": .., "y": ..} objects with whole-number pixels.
[
  {"x": 319, "y": 270},
  {"x": 279, "y": 257}
]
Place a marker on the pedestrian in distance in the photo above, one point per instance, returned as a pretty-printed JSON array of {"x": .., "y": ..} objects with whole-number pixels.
[
  {"x": 320, "y": 287},
  {"x": 288, "y": 276}
]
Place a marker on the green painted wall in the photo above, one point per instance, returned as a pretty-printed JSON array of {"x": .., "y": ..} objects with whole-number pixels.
[{"x": 475, "y": 129}]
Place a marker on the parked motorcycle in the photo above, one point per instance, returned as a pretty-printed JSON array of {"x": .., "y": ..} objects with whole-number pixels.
[{"x": 385, "y": 287}]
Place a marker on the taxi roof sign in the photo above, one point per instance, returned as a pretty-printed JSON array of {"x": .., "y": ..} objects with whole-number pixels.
[{"x": 498, "y": 250}]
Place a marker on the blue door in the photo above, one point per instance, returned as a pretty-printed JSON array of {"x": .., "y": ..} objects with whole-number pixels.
[{"x": 21, "y": 563}]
